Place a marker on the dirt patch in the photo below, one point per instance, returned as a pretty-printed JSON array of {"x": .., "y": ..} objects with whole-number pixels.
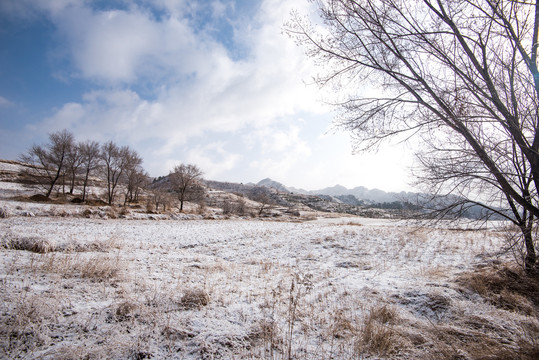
[
  {"x": 96, "y": 202},
  {"x": 433, "y": 306},
  {"x": 40, "y": 198}
]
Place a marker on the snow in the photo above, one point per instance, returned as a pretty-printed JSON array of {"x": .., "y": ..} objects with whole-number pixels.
[
  {"x": 9, "y": 166},
  {"x": 271, "y": 285}
]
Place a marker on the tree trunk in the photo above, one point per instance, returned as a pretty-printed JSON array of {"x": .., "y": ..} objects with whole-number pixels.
[
  {"x": 72, "y": 185},
  {"x": 85, "y": 184},
  {"x": 531, "y": 257}
]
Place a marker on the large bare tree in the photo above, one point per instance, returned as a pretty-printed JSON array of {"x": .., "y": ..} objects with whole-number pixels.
[
  {"x": 74, "y": 161},
  {"x": 91, "y": 160},
  {"x": 460, "y": 74},
  {"x": 49, "y": 161},
  {"x": 185, "y": 182}
]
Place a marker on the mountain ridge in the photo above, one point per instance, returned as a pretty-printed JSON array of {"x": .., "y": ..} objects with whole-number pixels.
[{"x": 361, "y": 193}]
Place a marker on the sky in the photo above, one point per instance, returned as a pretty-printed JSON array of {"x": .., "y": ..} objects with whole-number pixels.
[{"x": 214, "y": 83}]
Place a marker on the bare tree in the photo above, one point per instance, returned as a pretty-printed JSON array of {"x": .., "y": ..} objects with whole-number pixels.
[
  {"x": 160, "y": 197},
  {"x": 185, "y": 182},
  {"x": 136, "y": 178},
  {"x": 462, "y": 75},
  {"x": 74, "y": 161},
  {"x": 49, "y": 161},
  {"x": 116, "y": 161},
  {"x": 265, "y": 202},
  {"x": 90, "y": 155}
]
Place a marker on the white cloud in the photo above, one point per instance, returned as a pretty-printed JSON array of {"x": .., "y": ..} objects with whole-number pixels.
[
  {"x": 219, "y": 9},
  {"x": 5, "y": 102},
  {"x": 200, "y": 88},
  {"x": 213, "y": 159},
  {"x": 280, "y": 150},
  {"x": 162, "y": 85}
]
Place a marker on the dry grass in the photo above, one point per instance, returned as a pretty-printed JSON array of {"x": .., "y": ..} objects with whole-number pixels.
[
  {"x": 456, "y": 341},
  {"x": 27, "y": 325},
  {"x": 32, "y": 244},
  {"x": 194, "y": 299},
  {"x": 351, "y": 223},
  {"x": 105, "y": 245},
  {"x": 434, "y": 272},
  {"x": 97, "y": 268},
  {"x": 507, "y": 288},
  {"x": 376, "y": 335}
]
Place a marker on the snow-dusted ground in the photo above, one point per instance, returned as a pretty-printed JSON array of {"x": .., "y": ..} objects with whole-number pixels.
[
  {"x": 120, "y": 288},
  {"x": 330, "y": 288}
]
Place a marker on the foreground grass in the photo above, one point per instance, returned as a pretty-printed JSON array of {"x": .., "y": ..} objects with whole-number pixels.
[{"x": 256, "y": 290}]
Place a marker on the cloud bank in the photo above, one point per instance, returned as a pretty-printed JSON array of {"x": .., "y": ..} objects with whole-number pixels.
[
  {"x": 214, "y": 83},
  {"x": 160, "y": 74}
]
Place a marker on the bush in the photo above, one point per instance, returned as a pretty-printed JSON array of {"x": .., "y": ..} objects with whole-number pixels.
[
  {"x": 3, "y": 213},
  {"x": 33, "y": 244},
  {"x": 194, "y": 299}
]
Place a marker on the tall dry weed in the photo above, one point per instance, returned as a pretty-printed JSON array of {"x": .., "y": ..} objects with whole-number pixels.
[{"x": 376, "y": 335}]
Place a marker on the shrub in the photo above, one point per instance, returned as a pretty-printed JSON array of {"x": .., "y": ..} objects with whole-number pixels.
[
  {"x": 124, "y": 311},
  {"x": 87, "y": 213},
  {"x": 3, "y": 213},
  {"x": 124, "y": 211},
  {"x": 194, "y": 299}
]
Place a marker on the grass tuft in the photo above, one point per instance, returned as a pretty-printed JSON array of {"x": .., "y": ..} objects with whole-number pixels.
[
  {"x": 194, "y": 299},
  {"x": 376, "y": 336},
  {"x": 32, "y": 244},
  {"x": 97, "y": 268}
]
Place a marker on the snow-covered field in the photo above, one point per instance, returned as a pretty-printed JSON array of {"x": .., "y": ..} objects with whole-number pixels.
[{"x": 74, "y": 287}]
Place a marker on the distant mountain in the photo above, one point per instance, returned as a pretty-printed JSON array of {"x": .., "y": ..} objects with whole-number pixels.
[
  {"x": 350, "y": 200},
  {"x": 333, "y": 191},
  {"x": 361, "y": 194},
  {"x": 267, "y": 182}
]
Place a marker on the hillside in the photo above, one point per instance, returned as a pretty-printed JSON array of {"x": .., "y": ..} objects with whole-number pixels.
[
  {"x": 283, "y": 196},
  {"x": 221, "y": 199}
]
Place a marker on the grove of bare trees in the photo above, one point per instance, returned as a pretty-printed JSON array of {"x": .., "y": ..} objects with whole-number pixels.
[
  {"x": 459, "y": 76},
  {"x": 63, "y": 161}
]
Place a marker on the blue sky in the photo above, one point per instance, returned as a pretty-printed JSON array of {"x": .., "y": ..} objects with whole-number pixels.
[{"x": 209, "y": 82}]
